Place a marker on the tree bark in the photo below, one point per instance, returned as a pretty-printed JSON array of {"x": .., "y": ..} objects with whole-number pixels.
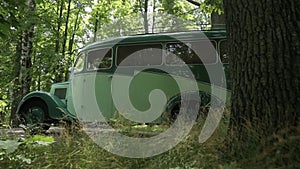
[
  {"x": 66, "y": 29},
  {"x": 56, "y": 71},
  {"x": 62, "y": 70},
  {"x": 217, "y": 21},
  {"x": 16, "y": 91},
  {"x": 146, "y": 16},
  {"x": 59, "y": 21},
  {"x": 71, "y": 43},
  {"x": 153, "y": 16},
  {"x": 96, "y": 28},
  {"x": 264, "y": 52},
  {"x": 26, "y": 64},
  {"x": 23, "y": 63},
  {"x": 26, "y": 51}
]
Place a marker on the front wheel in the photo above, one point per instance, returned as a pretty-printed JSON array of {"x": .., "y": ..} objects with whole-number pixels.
[{"x": 34, "y": 113}]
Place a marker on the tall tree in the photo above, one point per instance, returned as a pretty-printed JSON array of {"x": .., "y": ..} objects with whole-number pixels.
[
  {"x": 26, "y": 49},
  {"x": 23, "y": 56},
  {"x": 9, "y": 58},
  {"x": 59, "y": 12},
  {"x": 57, "y": 71},
  {"x": 16, "y": 91},
  {"x": 96, "y": 22},
  {"x": 64, "y": 44},
  {"x": 71, "y": 43},
  {"x": 144, "y": 12},
  {"x": 264, "y": 50},
  {"x": 65, "y": 37}
]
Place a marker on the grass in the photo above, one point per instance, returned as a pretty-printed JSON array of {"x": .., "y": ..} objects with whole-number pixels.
[
  {"x": 75, "y": 149},
  {"x": 279, "y": 150}
]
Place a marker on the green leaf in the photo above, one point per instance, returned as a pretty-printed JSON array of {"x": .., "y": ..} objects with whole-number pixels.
[
  {"x": 9, "y": 145},
  {"x": 40, "y": 138}
]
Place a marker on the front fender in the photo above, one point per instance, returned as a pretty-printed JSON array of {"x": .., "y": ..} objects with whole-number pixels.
[{"x": 56, "y": 108}]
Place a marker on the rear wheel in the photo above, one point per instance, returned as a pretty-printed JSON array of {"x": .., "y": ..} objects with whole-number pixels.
[
  {"x": 202, "y": 109},
  {"x": 34, "y": 113},
  {"x": 192, "y": 107},
  {"x": 174, "y": 113}
]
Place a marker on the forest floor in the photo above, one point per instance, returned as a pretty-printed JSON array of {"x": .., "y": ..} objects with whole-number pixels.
[
  {"x": 74, "y": 148},
  {"x": 63, "y": 148}
]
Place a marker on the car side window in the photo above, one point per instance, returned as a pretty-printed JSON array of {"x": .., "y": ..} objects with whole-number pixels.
[
  {"x": 99, "y": 59},
  {"x": 223, "y": 52},
  {"x": 79, "y": 63},
  {"x": 200, "y": 52},
  {"x": 139, "y": 55}
]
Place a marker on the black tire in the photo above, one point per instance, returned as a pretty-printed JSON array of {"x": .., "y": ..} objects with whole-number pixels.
[
  {"x": 203, "y": 107},
  {"x": 35, "y": 113},
  {"x": 175, "y": 111}
]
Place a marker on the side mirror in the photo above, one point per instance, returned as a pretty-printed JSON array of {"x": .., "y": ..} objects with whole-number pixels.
[{"x": 71, "y": 69}]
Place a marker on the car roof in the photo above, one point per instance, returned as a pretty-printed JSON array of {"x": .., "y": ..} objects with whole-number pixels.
[{"x": 158, "y": 37}]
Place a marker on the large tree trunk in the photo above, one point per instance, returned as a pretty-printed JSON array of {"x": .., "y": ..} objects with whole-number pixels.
[
  {"x": 264, "y": 52},
  {"x": 217, "y": 21}
]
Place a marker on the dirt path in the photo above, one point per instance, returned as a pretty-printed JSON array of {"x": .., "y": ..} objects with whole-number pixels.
[{"x": 55, "y": 131}]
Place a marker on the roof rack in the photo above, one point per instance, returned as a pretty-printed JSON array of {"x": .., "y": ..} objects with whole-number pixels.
[
  {"x": 170, "y": 29},
  {"x": 157, "y": 30}
]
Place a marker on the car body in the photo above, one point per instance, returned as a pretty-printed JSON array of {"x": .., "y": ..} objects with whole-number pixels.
[{"x": 90, "y": 84}]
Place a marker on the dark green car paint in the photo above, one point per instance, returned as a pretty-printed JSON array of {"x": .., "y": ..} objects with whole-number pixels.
[
  {"x": 64, "y": 109},
  {"x": 56, "y": 108}
]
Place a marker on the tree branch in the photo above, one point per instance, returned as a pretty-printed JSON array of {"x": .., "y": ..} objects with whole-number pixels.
[{"x": 194, "y": 2}]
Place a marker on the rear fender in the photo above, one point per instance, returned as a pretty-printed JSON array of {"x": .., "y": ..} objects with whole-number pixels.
[{"x": 204, "y": 97}]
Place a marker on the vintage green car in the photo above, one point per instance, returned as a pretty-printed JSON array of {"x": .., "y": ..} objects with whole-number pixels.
[{"x": 96, "y": 64}]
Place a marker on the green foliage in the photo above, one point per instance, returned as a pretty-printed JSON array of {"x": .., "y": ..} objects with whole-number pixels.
[
  {"x": 77, "y": 150},
  {"x": 16, "y": 18},
  {"x": 213, "y": 6},
  {"x": 7, "y": 48},
  {"x": 277, "y": 150},
  {"x": 40, "y": 140},
  {"x": 127, "y": 17},
  {"x": 54, "y": 50},
  {"x": 11, "y": 156},
  {"x": 209, "y": 6},
  {"x": 9, "y": 146},
  {"x": 8, "y": 16}
]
